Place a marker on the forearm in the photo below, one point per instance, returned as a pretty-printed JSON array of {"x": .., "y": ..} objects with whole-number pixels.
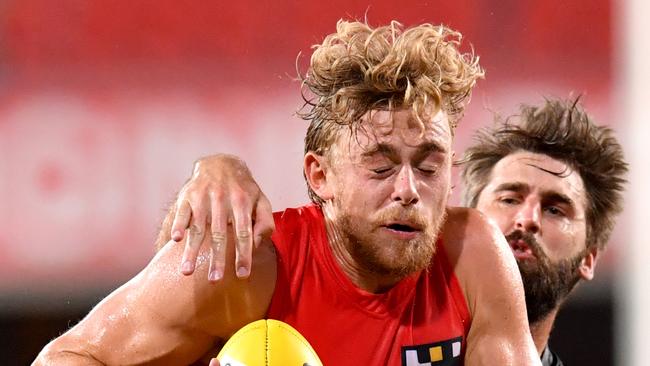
[{"x": 127, "y": 328}]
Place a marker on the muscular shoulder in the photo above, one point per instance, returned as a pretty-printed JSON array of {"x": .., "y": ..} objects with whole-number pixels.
[
  {"x": 488, "y": 275},
  {"x": 479, "y": 253},
  {"x": 468, "y": 230}
]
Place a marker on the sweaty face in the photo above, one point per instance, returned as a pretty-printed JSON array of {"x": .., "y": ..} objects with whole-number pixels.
[
  {"x": 390, "y": 183},
  {"x": 539, "y": 204}
]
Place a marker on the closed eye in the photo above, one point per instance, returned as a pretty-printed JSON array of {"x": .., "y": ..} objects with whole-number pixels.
[
  {"x": 380, "y": 171},
  {"x": 428, "y": 171}
]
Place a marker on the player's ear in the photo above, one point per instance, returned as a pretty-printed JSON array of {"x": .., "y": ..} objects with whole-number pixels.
[
  {"x": 316, "y": 168},
  {"x": 588, "y": 264}
]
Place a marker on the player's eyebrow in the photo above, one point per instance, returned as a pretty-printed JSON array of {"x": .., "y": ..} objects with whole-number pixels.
[
  {"x": 388, "y": 150},
  {"x": 547, "y": 195}
]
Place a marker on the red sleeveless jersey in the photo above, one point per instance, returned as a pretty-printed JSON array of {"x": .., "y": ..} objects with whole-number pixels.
[{"x": 422, "y": 320}]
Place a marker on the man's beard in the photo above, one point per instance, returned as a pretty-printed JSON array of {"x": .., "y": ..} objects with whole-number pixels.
[
  {"x": 380, "y": 255},
  {"x": 546, "y": 283}
]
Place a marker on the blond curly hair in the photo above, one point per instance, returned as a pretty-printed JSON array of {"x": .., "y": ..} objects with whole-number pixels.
[{"x": 359, "y": 69}]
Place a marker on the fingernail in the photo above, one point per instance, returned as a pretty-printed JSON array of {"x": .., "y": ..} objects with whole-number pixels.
[
  {"x": 186, "y": 267},
  {"x": 176, "y": 235},
  {"x": 242, "y": 272},
  {"x": 214, "y": 276}
]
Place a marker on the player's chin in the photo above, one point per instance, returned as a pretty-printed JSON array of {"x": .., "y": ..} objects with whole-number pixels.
[{"x": 414, "y": 256}]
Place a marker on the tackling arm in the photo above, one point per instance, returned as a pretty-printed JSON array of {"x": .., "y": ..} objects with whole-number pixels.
[
  {"x": 487, "y": 271},
  {"x": 163, "y": 317}
]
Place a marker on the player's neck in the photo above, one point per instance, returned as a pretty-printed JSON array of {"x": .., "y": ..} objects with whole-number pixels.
[{"x": 541, "y": 330}]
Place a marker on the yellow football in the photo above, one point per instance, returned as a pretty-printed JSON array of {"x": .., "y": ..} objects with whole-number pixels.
[{"x": 268, "y": 342}]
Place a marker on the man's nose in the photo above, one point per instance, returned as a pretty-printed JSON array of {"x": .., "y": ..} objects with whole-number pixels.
[
  {"x": 528, "y": 217},
  {"x": 406, "y": 191}
]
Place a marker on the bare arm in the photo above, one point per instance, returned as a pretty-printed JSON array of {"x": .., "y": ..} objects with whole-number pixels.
[
  {"x": 161, "y": 317},
  {"x": 487, "y": 271}
]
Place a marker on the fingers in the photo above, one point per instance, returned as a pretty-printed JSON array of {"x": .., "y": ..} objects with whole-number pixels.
[
  {"x": 264, "y": 223},
  {"x": 181, "y": 220},
  {"x": 221, "y": 190},
  {"x": 219, "y": 227},
  {"x": 193, "y": 243},
  {"x": 214, "y": 362},
  {"x": 241, "y": 209}
]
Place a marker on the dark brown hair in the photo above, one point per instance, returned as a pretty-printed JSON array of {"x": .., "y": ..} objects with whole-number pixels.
[
  {"x": 562, "y": 130},
  {"x": 358, "y": 69}
]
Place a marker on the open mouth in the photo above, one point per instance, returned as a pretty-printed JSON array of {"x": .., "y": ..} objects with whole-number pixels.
[
  {"x": 402, "y": 227},
  {"x": 521, "y": 249}
]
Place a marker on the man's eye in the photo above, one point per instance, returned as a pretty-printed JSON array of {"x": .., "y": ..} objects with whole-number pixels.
[
  {"x": 508, "y": 201},
  {"x": 381, "y": 170},
  {"x": 427, "y": 170},
  {"x": 554, "y": 211}
]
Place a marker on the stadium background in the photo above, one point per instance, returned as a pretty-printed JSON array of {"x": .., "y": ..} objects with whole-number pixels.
[{"x": 104, "y": 105}]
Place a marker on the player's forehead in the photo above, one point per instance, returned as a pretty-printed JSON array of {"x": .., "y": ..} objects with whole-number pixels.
[
  {"x": 398, "y": 128},
  {"x": 532, "y": 173}
]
